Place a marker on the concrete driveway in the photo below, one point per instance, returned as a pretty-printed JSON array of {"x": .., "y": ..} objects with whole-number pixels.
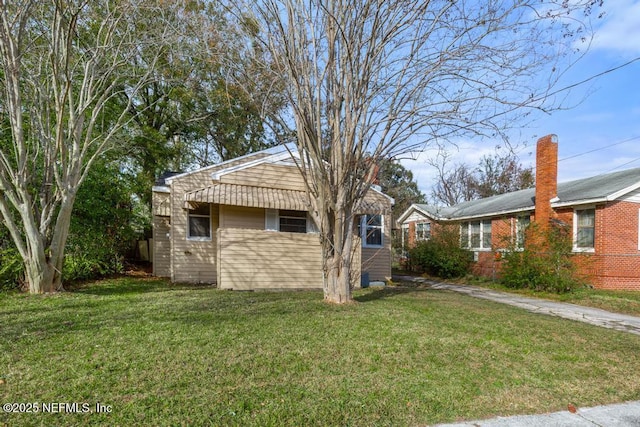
[{"x": 594, "y": 316}]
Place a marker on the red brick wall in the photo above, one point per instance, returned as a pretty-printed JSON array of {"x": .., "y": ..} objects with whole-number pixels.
[
  {"x": 615, "y": 263},
  {"x": 546, "y": 177},
  {"x": 617, "y": 255}
]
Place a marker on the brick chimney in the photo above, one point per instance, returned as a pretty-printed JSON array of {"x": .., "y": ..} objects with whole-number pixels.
[{"x": 546, "y": 178}]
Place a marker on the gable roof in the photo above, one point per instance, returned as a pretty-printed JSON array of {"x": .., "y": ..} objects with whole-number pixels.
[
  {"x": 235, "y": 162},
  {"x": 595, "y": 189},
  {"x": 375, "y": 201}
]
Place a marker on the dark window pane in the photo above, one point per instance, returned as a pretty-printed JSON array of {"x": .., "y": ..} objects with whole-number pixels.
[{"x": 199, "y": 226}]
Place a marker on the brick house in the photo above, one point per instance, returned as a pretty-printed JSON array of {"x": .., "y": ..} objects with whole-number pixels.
[{"x": 602, "y": 212}]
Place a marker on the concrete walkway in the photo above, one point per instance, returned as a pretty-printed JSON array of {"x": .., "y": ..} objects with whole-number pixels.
[
  {"x": 618, "y": 415},
  {"x": 594, "y": 316}
]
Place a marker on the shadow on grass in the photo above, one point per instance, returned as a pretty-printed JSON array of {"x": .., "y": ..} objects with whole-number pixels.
[
  {"x": 132, "y": 285},
  {"x": 389, "y": 292}
]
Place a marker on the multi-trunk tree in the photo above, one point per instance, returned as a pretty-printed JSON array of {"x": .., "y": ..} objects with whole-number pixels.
[
  {"x": 67, "y": 81},
  {"x": 371, "y": 79}
]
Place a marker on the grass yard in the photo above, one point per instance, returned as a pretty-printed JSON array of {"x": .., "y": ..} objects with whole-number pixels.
[{"x": 175, "y": 355}]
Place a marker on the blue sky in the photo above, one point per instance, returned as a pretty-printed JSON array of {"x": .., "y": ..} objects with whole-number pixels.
[{"x": 602, "y": 132}]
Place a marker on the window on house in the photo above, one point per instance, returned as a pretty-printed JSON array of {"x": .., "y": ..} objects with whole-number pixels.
[
  {"x": 423, "y": 231},
  {"x": 288, "y": 221},
  {"x": 371, "y": 230},
  {"x": 405, "y": 237},
  {"x": 522, "y": 222},
  {"x": 293, "y": 221},
  {"x": 584, "y": 229},
  {"x": 476, "y": 234},
  {"x": 464, "y": 235},
  {"x": 199, "y": 224}
]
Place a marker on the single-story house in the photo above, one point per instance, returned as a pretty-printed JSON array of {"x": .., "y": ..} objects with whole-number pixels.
[
  {"x": 245, "y": 224},
  {"x": 603, "y": 213}
]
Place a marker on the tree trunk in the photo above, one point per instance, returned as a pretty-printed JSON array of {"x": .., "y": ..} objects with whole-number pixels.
[
  {"x": 337, "y": 287},
  {"x": 39, "y": 275},
  {"x": 337, "y": 255},
  {"x": 43, "y": 265}
]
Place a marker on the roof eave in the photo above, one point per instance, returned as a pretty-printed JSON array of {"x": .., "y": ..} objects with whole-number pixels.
[
  {"x": 272, "y": 150},
  {"x": 489, "y": 214},
  {"x": 623, "y": 192},
  {"x": 410, "y": 209},
  {"x": 570, "y": 203}
]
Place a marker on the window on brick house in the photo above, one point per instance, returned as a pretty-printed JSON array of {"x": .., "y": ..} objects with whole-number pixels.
[
  {"x": 522, "y": 222},
  {"x": 476, "y": 234},
  {"x": 423, "y": 231},
  {"x": 584, "y": 224}
]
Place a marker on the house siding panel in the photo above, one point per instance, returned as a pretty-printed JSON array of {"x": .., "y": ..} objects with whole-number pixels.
[
  {"x": 267, "y": 175},
  {"x": 193, "y": 261},
  {"x": 269, "y": 260},
  {"x": 241, "y": 217},
  {"x": 377, "y": 261},
  {"x": 162, "y": 247}
]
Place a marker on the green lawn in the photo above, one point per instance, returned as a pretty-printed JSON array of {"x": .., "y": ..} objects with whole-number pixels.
[{"x": 174, "y": 355}]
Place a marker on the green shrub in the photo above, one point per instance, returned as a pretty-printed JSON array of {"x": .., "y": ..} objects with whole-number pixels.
[
  {"x": 545, "y": 264},
  {"x": 11, "y": 269},
  {"x": 91, "y": 258},
  {"x": 441, "y": 255}
]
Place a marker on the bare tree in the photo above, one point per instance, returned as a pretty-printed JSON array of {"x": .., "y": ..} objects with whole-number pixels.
[
  {"x": 65, "y": 65},
  {"x": 372, "y": 79},
  {"x": 454, "y": 184},
  {"x": 495, "y": 174}
]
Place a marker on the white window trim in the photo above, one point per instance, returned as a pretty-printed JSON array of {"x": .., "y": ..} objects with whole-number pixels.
[
  {"x": 363, "y": 231},
  {"x": 575, "y": 230},
  {"x": 199, "y": 238},
  {"x": 519, "y": 246},
  {"x": 272, "y": 222},
  {"x": 419, "y": 238},
  {"x": 468, "y": 229}
]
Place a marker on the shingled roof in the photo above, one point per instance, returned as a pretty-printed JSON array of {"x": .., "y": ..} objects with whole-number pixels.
[{"x": 596, "y": 189}]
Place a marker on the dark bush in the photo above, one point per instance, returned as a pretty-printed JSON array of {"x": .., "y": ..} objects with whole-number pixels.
[
  {"x": 545, "y": 264},
  {"x": 441, "y": 255}
]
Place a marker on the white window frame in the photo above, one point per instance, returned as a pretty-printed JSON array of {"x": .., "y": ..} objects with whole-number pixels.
[
  {"x": 520, "y": 230},
  {"x": 575, "y": 230},
  {"x": 465, "y": 228},
  {"x": 426, "y": 229},
  {"x": 199, "y": 238},
  {"x": 272, "y": 222},
  {"x": 364, "y": 227}
]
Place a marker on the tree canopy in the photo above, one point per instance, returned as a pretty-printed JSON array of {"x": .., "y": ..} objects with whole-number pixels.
[{"x": 369, "y": 80}]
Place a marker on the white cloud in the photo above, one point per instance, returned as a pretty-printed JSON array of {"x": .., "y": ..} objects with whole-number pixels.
[{"x": 620, "y": 28}]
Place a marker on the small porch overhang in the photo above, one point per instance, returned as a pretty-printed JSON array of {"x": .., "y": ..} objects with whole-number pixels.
[{"x": 273, "y": 198}]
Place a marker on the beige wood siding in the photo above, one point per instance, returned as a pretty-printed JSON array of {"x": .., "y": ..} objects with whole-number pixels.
[
  {"x": 257, "y": 259},
  {"x": 241, "y": 217},
  {"x": 161, "y": 204},
  {"x": 192, "y": 261},
  {"x": 161, "y": 247},
  {"x": 267, "y": 175},
  {"x": 377, "y": 261}
]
